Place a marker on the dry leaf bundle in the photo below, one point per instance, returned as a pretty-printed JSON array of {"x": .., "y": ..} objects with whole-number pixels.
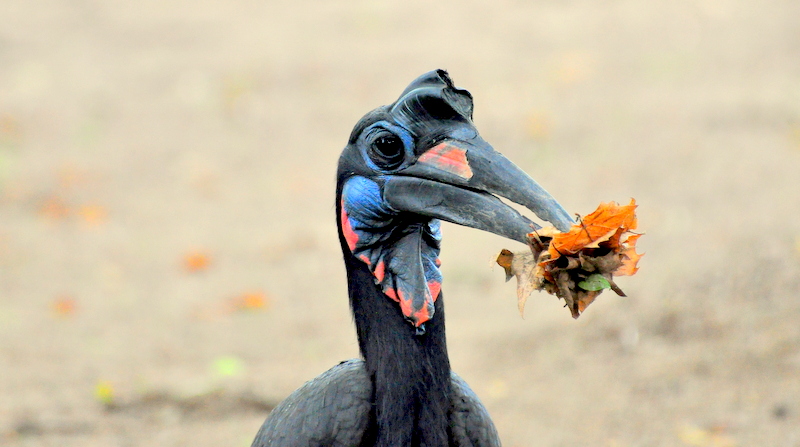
[{"x": 579, "y": 264}]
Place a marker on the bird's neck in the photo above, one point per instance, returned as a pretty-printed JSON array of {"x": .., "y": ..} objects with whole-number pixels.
[{"x": 410, "y": 372}]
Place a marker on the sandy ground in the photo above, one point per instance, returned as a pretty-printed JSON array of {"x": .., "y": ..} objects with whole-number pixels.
[{"x": 134, "y": 134}]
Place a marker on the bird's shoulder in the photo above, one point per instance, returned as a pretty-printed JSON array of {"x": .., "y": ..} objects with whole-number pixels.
[
  {"x": 331, "y": 409},
  {"x": 470, "y": 424}
]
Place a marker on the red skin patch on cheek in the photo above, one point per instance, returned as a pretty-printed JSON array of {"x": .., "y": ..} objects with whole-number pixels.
[
  {"x": 447, "y": 157},
  {"x": 347, "y": 230}
]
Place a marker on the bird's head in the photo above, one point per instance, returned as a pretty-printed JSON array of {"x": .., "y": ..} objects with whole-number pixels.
[{"x": 413, "y": 163}]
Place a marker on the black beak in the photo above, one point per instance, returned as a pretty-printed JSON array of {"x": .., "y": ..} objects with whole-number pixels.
[{"x": 459, "y": 181}]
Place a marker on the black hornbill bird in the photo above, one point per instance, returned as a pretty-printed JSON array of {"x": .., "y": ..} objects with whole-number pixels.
[{"x": 406, "y": 167}]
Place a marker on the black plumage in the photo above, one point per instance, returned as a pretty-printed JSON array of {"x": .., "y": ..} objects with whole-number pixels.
[
  {"x": 407, "y": 166},
  {"x": 334, "y": 410}
]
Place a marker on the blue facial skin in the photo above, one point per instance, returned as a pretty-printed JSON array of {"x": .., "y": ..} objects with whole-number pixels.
[{"x": 395, "y": 240}]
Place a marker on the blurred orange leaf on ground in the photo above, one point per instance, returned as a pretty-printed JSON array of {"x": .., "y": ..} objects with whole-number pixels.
[
  {"x": 54, "y": 208},
  {"x": 250, "y": 301},
  {"x": 196, "y": 261},
  {"x": 64, "y": 306},
  {"x": 93, "y": 214}
]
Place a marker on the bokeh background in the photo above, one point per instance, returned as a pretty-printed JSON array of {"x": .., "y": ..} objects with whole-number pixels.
[{"x": 169, "y": 267}]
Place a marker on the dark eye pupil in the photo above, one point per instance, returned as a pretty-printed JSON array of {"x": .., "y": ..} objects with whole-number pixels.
[
  {"x": 389, "y": 146},
  {"x": 387, "y": 152}
]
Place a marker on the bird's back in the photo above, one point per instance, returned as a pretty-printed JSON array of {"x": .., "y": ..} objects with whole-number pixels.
[{"x": 333, "y": 410}]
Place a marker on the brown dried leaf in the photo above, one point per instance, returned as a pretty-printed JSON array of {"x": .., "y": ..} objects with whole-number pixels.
[
  {"x": 522, "y": 266},
  {"x": 504, "y": 259}
]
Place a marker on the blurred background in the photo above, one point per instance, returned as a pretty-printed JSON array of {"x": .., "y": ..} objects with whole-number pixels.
[{"x": 169, "y": 267}]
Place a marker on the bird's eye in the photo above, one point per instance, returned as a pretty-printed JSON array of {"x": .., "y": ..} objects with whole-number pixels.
[{"x": 387, "y": 151}]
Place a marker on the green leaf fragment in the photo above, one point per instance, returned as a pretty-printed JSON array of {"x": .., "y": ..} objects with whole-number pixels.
[
  {"x": 228, "y": 366},
  {"x": 594, "y": 283}
]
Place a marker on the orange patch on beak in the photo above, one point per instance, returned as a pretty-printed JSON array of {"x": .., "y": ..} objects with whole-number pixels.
[{"x": 449, "y": 158}]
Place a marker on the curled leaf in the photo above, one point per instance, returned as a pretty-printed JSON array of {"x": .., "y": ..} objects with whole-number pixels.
[
  {"x": 522, "y": 266},
  {"x": 504, "y": 259},
  {"x": 629, "y": 257}
]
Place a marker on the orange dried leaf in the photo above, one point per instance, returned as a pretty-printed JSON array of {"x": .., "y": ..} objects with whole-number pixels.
[
  {"x": 630, "y": 258},
  {"x": 505, "y": 259},
  {"x": 586, "y": 300},
  {"x": 606, "y": 224}
]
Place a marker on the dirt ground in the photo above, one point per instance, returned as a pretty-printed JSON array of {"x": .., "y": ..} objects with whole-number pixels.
[{"x": 169, "y": 267}]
